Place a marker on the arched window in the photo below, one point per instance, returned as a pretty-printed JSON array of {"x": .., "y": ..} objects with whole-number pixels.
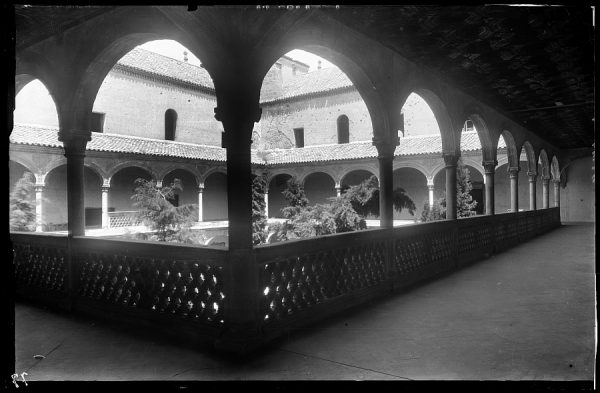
[
  {"x": 343, "y": 131},
  {"x": 170, "y": 124}
]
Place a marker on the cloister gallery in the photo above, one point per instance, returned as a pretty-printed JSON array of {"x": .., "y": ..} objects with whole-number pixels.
[{"x": 94, "y": 111}]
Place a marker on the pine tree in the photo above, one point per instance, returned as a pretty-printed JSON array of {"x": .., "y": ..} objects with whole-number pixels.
[
  {"x": 22, "y": 204},
  {"x": 169, "y": 223},
  {"x": 364, "y": 198},
  {"x": 465, "y": 205},
  {"x": 259, "y": 216}
]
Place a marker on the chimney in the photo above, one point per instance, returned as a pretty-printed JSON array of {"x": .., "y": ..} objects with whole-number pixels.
[
  {"x": 319, "y": 65},
  {"x": 185, "y": 58}
]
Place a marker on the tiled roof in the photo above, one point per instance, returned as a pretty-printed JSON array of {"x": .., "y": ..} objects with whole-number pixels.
[
  {"x": 412, "y": 145},
  {"x": 157, "y": 64},
  {"x": 326, "y": 79},
  {"x": 26, "y": 134}
]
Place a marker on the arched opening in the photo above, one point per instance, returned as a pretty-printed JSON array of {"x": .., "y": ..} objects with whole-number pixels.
[
  {"x": 354, "y": 178},
  {"x": 54, "y": 203},
  {"x": 502, "y": 189},
  {"x": 276, "y": 199},
  {"x": 189, "y": 194},
  {"x": 477, "y": 192},
  {"x": 319, "y": 187},
  {"x": 414, "y": 182},
  {"x": 215, "y": 197},
  {"x": 15, "y": 172},
  {"x": 93, "y": 198},
  {"x": 419, "y": 119},
  {"x": 170, "y": 124},
  {"x": 22, "y": 216},
  {"x": 295, "y": 113},
  {"x": 34, "y": 105},
  {"x": 122, "y": 187},
  {"x": 343, "y": 129},
  {"x": 138, "y": 96},
  {"x": 525, "y": 166}
]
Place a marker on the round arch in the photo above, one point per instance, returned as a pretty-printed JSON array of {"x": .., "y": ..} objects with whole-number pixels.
[
  {"x": 368, "y": 172},
  {"x": 555, "y": 168},
  {"x": 321, "y": 40},
  {"x": 211, "y": 171},
  {"x": 511, "y": 148},
  {"x": 164, "y": 172},
  {"x": 486, "y": 140},
  {"x": 414, "y": 165},
  {"x": 414, "y": 182},
  {"x": 34, "y": 103},
  {"x": 543, "y": 159},
  {"x": 530, "y": 154},
  {"x": 318, "y": 187},
  {"x": 127, "y": 164}
]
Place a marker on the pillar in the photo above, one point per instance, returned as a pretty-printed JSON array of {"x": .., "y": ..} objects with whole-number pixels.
[
  {"x": 545, "y": 192},
  {"x": 451, "y": 161},
  {"x": 74, "y": 143},
  {"x": 267, "y": 202},
  {"x": 39, "y": 196},
  {"x": 200, "y": 202},
  {"x": 489, "y": 169},
  {"x": 514, "y": 188},
  {"x": 385, "y": 157},
  {"x": 105, "y": 217},
  {"x": 338, "y": 189},
  {"x": 430, "y": 187},
  {"x": 532, "y": 193},
  {"x": 556, "y": 193}
]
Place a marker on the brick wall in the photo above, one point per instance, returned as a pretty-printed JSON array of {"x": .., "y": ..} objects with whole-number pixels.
[
  {"x": 318, "y": 116},
  {"x": 136, "y": 106}
]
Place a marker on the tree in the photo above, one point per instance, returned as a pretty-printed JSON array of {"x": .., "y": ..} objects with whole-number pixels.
[
  {"x": 465, "y": 205},
  {"x": 295, "y": 196},
  {"x": 259, "y": 216},
  {"x": 169, "y": 223},
  {"x": 22, "y": 204},
  {"x": 364, "y": 198}
]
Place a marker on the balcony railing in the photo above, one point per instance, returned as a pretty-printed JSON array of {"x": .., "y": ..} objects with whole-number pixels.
[
  {"x": 187, "y": 290},
  {"x": 123, "y": 219}
]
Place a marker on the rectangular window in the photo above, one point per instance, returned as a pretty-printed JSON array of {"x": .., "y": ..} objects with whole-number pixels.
[
  {"x": 97, "y": 122},
  {"x": 299, "y": 135}
]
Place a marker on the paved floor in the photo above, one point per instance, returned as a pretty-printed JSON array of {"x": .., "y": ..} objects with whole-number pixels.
[{"x": 527, "y": 313}]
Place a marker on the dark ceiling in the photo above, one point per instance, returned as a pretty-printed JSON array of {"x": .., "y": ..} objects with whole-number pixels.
[{"x": 526, "y": 61}]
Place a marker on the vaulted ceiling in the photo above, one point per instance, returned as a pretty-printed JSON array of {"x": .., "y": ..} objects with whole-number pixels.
[{"x": 536, "y": 64}]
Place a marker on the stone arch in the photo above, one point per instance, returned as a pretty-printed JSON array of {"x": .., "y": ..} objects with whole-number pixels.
[
  {"x": 189, "y": 194},
  {"x": 327, "y": 171},
  {"x": 511, "y": 148},
  {"x": 350, "y": 170},
  {"x": 210, "y": 171},
  {"x": 323, "y": 189},
  {"x": 125, "y": 34},
  {"x": 415, "y": 182},
  {"x": 474, "y": 163},
  {"x": 43, "y": 115},
  {"x": 24, "y": 162},
  {"x": 488, "y": 147},
  {"x": 407, "y": 164},
  {"x": 122, "y": 165},
  {"x": 450, "y": 140},
  {"x": 555, "y": 168},
  {"x": 543, "y": 158},
  {"x": 282, "y": 171},
  {"x": 164, "y": 172},
  {"x": 324, "y": 41},
  {"x": 531, "y": 157},
  {"x": 97, "y": 169}
]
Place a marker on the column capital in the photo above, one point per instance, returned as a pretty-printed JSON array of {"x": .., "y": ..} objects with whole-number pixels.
[
  {"x": 429, "y": 181},
  {"x": 546, "y": 179},
  {"x": 513, "y": 171},
  {"x": 386, "y": 147},
  {"x": 39, "y": 187},
  {"x": 450, "y": 159},
  {"x": 532, "y": 176},
  {"x": 489, "y": 166},
  {"x": 105, "y": 188},
  {"x": 74, "y": 141}
]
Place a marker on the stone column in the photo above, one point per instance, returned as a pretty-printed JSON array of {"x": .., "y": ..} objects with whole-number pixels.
[
  {"x": 267, "y": 203},
  {"x": 338, "y": 189},
  {"x": 105, "y": 217},
  {"x": 200, "y": 202},
  {"x": 74, "y": 144},
  {"x": 385, "y": 150},
  {"x": 238, "y": 123},
  {"x": 39, "y": 196},
  {"x": 514, "y": 188},
  {"x": 430, "y": 187},
  {"x": 451, "y": 162},
  {"x": 545, "y": 192},
  {"x": 490, "y": 169},
  {"x": 532, "y": 193},
  {"x": 556, "y": 193}
]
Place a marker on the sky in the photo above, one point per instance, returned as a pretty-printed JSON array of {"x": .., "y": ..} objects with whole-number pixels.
[{"x": 175, "y": 50}]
